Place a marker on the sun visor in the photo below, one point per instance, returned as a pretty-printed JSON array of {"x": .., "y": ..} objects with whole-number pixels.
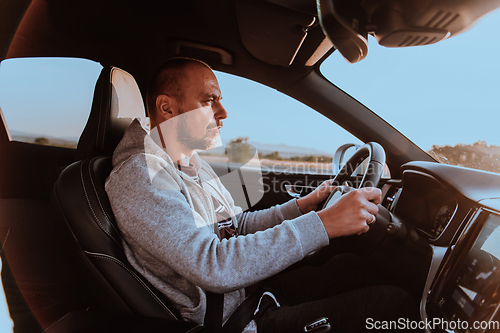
[{"x": 277, "y": 35}]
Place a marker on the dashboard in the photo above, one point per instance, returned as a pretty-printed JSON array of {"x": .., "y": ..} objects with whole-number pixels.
[
  {"x": 426, "y": 204},
  {"x": 458, "y": 211}
]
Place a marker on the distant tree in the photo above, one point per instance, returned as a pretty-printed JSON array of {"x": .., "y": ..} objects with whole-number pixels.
[
  {"x": 42, "y": 141},
  {"x": 271, "y": 156},
  {"x": 312, "y": 158},
  {"x": 239, "y": 150},
  {"x": 324, "y": 159}
]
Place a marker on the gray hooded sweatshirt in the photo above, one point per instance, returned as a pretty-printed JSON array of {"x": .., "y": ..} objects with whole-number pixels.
[{"x": 169, "y": 231}]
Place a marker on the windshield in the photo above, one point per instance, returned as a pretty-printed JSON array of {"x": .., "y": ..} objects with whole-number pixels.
[{"x": 443, "y": 97}]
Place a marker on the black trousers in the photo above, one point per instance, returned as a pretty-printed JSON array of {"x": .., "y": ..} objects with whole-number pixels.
[{"x": 344, "y": 290}]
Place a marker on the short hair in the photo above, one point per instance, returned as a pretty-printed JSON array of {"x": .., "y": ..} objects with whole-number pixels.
[{"x": 168, "y": 79}]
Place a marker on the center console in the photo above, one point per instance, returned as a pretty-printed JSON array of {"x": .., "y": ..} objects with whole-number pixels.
[{"x": 468, "y": 287}]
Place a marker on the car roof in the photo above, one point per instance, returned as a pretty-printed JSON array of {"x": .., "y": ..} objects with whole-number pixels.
[{"x": 258, "y": 38}]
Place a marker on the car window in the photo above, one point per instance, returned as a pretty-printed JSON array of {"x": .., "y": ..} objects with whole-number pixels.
[
  {"x": 6, "y": 324},
  {"x": 47, "y": 101},
  {"x": 442, "y": 96},
  {"x": 287, "y": 135}
]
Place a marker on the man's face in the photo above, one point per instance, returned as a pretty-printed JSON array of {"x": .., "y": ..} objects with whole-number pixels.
[{"x": 200, "y": 111}]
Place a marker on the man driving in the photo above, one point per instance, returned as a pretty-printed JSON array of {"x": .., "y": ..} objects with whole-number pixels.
[{"x": 184, "y": 234}]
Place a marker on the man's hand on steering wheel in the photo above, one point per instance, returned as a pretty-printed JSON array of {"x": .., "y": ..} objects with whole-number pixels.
[
  {"x": 313, "y": 200},
  {"x": 352, "y": 213}
]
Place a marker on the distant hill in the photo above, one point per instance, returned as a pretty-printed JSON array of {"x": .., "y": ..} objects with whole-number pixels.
[
  {"x": 284, "y": 150},
  {"x": 45, "y": 140},
  {"x": 287, "y": 151}
]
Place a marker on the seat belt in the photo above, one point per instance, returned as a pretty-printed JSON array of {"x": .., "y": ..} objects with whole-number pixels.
[
  {"x": 243, "y": 313},
  {"x": 240, "y": 318},
  {"x": 214, "y": 312}
]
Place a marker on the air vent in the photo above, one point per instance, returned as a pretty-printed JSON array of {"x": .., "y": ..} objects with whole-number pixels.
[
  {"x": 418, "y": 40},
  {"x": 408, "y": 37},
  {"x": 441, "y": 20}
]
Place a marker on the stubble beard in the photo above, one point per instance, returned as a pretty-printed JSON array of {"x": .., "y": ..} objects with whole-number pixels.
[{"x": 189, "y": 139}]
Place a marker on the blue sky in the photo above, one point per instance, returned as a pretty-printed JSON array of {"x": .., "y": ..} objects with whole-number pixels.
[{"x": 446, "y": 93}]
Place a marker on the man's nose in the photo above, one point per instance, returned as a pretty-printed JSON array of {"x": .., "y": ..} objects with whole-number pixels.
[{"x": 220, "y": 112}]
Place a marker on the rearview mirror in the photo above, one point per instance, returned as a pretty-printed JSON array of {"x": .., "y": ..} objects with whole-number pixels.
[{"x": 344, "y": 23}]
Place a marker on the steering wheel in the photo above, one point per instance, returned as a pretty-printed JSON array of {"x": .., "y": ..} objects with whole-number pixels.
[
  {"x": 369, "y": 241},
  {"x": 375, "y": 168}
]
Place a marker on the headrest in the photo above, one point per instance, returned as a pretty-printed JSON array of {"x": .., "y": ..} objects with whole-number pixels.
[{"x": 117, "y": 101}]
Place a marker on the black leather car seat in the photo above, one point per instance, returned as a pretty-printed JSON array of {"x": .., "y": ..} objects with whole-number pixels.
[{"x": 86, "y": 221}]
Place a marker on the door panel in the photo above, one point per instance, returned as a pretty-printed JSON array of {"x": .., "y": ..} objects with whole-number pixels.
[{"x": 267, "y": 185}]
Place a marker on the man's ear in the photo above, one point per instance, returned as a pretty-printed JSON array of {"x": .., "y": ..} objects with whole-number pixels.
[{"x": 163, "y": 106}]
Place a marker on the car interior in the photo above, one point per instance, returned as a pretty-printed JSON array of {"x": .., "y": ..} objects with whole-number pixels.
[{"x": 63, "y": 265}]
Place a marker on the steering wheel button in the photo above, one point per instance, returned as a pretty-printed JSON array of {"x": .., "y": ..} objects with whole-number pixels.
[{"x": 390, "y": 228}]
